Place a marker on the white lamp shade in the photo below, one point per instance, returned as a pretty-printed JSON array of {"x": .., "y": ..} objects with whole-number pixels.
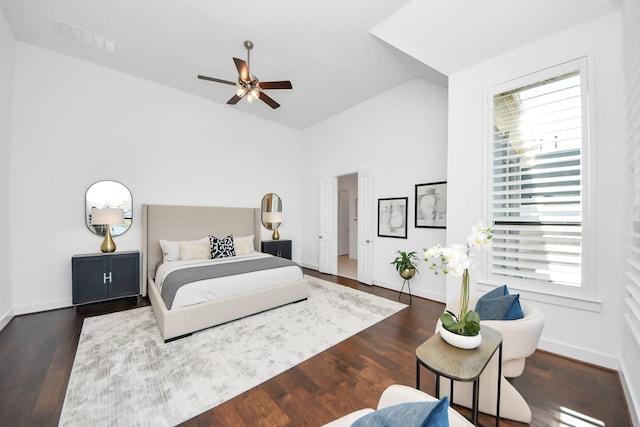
[
  {"x": 273, "y": 217},
  {"x": 107, "y": 216}
]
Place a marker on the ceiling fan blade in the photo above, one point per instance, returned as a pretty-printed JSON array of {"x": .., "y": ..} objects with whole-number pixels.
[
  {"x": 234, "y": 99},
  {"x": 270, "y": 102},
  {"x": 285, "y": 84},
  {"x": 243, "y": 70},
  {"x": 213, "y": 79}
]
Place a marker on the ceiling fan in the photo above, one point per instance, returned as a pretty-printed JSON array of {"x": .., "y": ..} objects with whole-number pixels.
[{"x": 248, "y": 85}]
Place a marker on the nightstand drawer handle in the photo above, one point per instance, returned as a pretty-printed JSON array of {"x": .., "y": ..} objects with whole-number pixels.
[{"x": 105, "y": 277}]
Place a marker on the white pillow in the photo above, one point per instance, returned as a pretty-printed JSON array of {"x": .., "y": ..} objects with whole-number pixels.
[
  {"x": 171, "y": 248},
  {"x": 195, "y": 250},
  {"x": 243, "y": 245}
]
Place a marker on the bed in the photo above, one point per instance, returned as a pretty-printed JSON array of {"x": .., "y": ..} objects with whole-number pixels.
[{"x": 188, "y": 223}]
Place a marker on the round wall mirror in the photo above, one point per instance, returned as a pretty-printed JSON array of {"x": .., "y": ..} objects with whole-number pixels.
[
  {"x": 108, "y": 194},
  {"x": 271, "y": 211}
]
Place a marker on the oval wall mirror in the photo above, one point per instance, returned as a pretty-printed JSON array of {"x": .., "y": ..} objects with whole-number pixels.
[
  {"x": 271, "y": 211},
  {"x": 108, "y": 194}
]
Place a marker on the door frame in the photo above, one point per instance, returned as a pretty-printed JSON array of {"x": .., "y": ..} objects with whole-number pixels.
[{"x": 328, "y": 226}]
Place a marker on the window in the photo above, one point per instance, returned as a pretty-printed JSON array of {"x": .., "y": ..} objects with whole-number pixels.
[
  {"x": 632, "y": 47},
  {"x": 537, "y": 178}
]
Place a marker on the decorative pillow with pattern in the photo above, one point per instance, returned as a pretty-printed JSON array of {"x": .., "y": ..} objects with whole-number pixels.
[{"x": 222, "y": 248}]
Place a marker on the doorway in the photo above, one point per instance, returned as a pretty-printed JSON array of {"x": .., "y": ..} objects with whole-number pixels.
[
  {"x": 357, "y": 223},
  {"x": 347, "y": 216}
]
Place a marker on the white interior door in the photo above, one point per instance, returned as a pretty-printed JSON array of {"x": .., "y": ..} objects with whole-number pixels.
[
  {"x": 327, "y": 230},
  {"x": 365, "y": 227}
]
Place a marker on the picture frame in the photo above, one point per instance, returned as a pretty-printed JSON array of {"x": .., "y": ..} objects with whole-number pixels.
[
  {"x": 431, "y": 205},
  {"x": 392, "y": 217}
]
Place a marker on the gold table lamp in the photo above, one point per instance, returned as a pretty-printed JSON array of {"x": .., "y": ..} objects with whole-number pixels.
[
  {"x": 107, "y": 217},
  {"x": 274, "y": 219}
]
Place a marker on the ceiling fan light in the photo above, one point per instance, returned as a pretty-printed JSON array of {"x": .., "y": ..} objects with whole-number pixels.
[
  {"x": 247, "y": 85},
  {"x": 253, "y": 95}
]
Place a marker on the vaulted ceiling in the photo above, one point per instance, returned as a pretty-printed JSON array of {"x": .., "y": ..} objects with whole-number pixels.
[{"x": 337, "y": 53}]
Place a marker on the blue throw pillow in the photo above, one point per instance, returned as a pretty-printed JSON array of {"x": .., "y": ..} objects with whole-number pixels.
[
  {"x": 515, "y": 311},
  {"x": 500, "y": 291},
  {"x": 418, "y": 414},
  {"x": 499, "y": 305}
]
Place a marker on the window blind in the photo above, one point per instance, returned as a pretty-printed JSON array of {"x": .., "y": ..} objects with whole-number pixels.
[
  {"x": 537, "y": 181},
  {"x": 632, "y": 65}
]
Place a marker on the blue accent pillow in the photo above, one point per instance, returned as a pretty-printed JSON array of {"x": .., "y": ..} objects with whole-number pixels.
[
  {"x": 418, "y": 414},
  {"x": 500, "y": 291},
  {"x": 498, "y": 304}
]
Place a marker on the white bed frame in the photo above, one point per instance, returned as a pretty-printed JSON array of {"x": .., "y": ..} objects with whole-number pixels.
[{"x": 195, "y": 222}]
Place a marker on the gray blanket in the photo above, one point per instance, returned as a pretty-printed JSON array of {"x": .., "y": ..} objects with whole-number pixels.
[{"x": 178, "y": 278}]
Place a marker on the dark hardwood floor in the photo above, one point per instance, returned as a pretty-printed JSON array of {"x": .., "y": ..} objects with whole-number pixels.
[{"x": 37, "y": 351}]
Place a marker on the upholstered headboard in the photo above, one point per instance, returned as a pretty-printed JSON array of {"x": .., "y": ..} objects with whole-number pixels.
[{"x": 190, "y": 223}]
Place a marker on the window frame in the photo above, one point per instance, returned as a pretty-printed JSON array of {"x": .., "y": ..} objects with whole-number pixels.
[{"x": 583, "y": 296}]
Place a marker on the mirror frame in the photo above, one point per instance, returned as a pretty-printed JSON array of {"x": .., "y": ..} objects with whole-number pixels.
[
  {"x": 111, "y": 194},
  {"x": 271, "y": 202}
]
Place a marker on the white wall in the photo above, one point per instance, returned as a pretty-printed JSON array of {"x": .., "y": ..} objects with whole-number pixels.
[
  {"x": 7, "y": 57},
  {"x": 400, "y": 135},
  {"x": 76, "y": 123},
  {"x": 591, "y": 336}
]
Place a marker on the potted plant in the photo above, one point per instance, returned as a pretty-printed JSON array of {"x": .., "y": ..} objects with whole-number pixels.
[
  {"x": 456, "y": 260},
  {"x": 405, "y": 263}
]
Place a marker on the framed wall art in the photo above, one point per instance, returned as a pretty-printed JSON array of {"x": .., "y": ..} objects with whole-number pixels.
[
  {"x": 431, "y": 205},
  {"x": 392, "y": 217}
]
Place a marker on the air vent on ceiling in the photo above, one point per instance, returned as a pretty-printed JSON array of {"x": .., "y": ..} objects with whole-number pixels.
[{"x": 86, "y": 37}]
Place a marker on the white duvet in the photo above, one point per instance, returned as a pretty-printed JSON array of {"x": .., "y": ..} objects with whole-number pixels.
[{"x": 207, "y": 290}]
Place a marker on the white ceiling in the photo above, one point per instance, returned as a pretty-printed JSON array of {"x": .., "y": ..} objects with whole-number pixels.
[
  {"x": 325, "y": 47},
  {"x": 451, "y": 35}
]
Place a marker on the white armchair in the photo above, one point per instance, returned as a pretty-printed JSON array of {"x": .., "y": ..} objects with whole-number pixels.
[
  {"x": 519, "y": 340},
  {"x": 519, "y": 337},
  {"x": 394, "y": 395}
]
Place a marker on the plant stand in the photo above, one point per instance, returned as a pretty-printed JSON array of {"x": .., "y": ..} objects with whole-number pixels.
[{"x": 406, "y": 281}]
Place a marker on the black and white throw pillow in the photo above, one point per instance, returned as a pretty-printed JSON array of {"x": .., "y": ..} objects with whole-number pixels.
[{"x": 222, "y": 248}]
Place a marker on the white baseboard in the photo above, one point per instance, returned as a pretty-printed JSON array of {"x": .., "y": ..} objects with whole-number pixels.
[
  {"x": 589, "y": 356},
  {"x": 414, "y": 291},
  {"x": 309, "y": 266},
  {"x": 6, "y": 318},
  {"x": 633, "y": 402},
  {"x": 44, "y": 306}
]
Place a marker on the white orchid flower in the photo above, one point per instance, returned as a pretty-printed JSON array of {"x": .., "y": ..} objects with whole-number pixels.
[{"x": 456, "y": 258}]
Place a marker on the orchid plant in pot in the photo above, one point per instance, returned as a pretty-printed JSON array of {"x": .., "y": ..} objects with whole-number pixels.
[{"x": 456, "y": 260}]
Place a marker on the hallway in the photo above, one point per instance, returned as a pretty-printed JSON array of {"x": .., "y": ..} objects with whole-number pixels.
[{"x": 347, "y": 267}]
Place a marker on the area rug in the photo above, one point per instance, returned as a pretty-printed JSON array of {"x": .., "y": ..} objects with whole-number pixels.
[{"x": 124, "y": 374}]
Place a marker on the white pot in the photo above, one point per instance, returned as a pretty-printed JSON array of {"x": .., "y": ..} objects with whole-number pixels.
[{"x": 460, "y": 341}]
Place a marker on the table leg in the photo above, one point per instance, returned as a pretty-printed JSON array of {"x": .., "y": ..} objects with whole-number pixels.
[
  {"x": 417, "y": 374},
  {"x": 474, "y": 402},
  {"x": 437, "y": 386},
  {"x": 499, "y": 384}
]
